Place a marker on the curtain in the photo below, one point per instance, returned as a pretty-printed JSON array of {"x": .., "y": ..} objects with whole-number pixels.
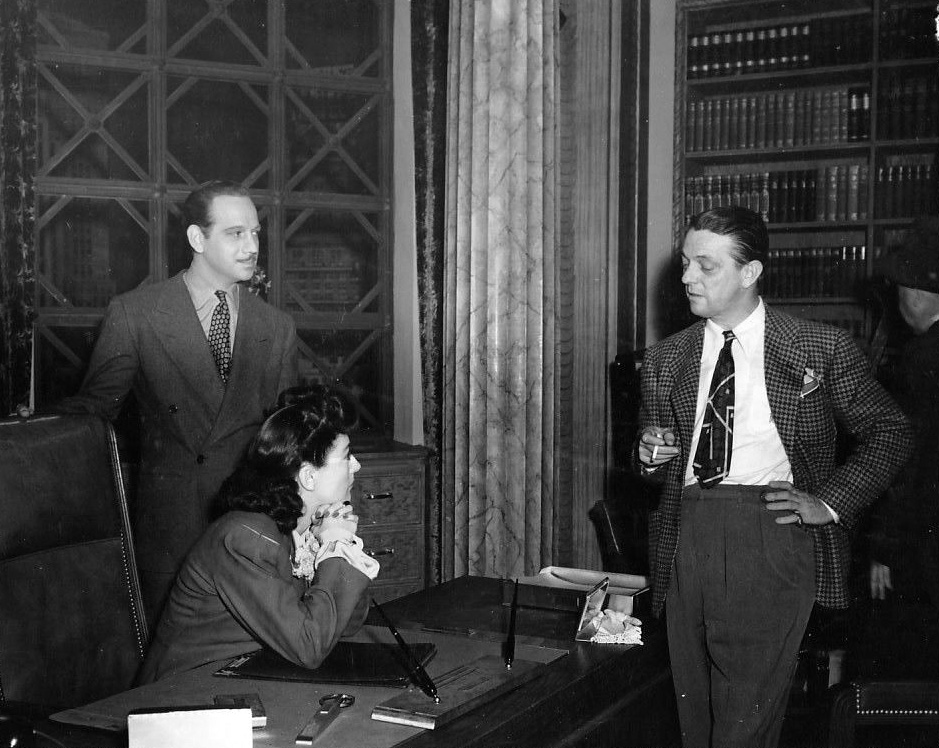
[
  {"x": 18, "y": 210},
  {"x": 499, "y": 288},
  {"x": 429, "y": 30}
]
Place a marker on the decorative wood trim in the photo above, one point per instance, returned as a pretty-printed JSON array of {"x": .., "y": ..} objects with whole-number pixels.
[
  {"x": 678, "y": 137},
  {"x": 633, "y": 124},
  {"x": 594, "y": 264}
]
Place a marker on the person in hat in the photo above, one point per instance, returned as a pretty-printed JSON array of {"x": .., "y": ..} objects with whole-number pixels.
[{"x": 904, "y": 548}]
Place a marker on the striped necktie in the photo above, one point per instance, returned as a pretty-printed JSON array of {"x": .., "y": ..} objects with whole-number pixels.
[{"x": 716, "y": 441}]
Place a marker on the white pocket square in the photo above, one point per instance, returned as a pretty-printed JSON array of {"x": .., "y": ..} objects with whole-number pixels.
[{"x": 810, "y": 383}]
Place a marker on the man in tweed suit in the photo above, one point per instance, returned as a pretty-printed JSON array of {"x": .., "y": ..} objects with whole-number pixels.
[{"x": 738, "y": 559}]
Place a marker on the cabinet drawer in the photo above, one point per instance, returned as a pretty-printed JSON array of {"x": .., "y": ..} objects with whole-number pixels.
[
  {"x": 400, "y": 552},
  {"x": 388, "y": 498}
]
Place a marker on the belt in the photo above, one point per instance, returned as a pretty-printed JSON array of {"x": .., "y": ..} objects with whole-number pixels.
[{"x": 729, "y": 491}]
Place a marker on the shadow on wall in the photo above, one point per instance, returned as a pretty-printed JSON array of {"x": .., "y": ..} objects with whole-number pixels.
[
  {"x": 622, "y": 521},
  {"x": 668, "y": 298}
]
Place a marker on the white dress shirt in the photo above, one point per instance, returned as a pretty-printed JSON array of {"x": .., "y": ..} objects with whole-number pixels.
[
  {"x": 758, "y": 452},
  {"x": 204, "y": 300}
]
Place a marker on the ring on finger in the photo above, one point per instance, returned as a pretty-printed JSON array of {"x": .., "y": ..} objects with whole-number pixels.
[{"x": 799, "y": 520}]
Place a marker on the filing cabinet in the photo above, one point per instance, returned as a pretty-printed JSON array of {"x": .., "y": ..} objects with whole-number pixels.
[{"x": 389, "y": 496}]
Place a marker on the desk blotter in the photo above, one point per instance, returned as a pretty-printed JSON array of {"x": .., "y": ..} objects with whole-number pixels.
[{"x": 461, "y": 689}]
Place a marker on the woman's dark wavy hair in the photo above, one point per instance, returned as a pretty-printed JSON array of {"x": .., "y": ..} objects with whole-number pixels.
[{"x": 302, "y": 429}]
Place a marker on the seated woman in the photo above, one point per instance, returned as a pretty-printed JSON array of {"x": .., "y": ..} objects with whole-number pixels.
[{"x": 242, "y": 585}]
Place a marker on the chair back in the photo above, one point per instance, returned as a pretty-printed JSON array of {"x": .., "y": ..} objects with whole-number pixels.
[{"x": 72, "y": 628}]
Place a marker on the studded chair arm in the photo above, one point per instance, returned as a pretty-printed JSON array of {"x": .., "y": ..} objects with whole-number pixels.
[{"x": 881, "y": 703}]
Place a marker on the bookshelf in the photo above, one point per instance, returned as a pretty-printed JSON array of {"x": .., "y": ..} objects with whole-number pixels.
[{"x": 825, "y": 119}]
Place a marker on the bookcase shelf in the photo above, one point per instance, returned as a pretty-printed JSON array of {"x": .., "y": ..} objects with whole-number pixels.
[
  {"x": 902, "y": 221},
  {"x": 816, "y": 226},
  {"x": 794, "y": 76},
  {"x": 825, "y": 121},
  {"x": 907, "y": 144},
  {"x": 905, "y": 62},
  {"x": 810, "y": 300},
  {"x": 787, "y": 153}
]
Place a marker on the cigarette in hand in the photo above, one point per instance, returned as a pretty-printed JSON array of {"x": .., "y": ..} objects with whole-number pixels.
[{"x": 655, "y": 452}]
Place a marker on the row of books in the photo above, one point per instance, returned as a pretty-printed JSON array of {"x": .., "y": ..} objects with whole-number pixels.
[
  {"x": 907, "y": 33},
  {"x": 906, "y": 189},
  {"x": 779, "y": 119},
  {"x": 854, "y": 326},
  {"x": 908, "y": 107},
  {"x": 813, "y": 272},
  {"x": 820, "y": 42},
  {"x": 892, "y": 240},
  {"x": 830, "y": 193},
  {"x": 326, "y": 290}
]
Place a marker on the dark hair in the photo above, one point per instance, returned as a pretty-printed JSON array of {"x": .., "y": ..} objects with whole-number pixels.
[
  {"x": 197, "y": 208},
  {"x": 303, "y": 428},
  {"x": 746, "y": 228}
]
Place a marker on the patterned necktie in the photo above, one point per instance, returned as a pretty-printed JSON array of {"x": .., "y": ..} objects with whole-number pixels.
[
  {"x": 716, "y": 442},
  {"x": 220, "y": 336}
]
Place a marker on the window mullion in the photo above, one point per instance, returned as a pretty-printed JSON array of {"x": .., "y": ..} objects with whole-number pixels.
[
  {"x": 276, "y": 49},
  {"x": 159, "y": 213}
]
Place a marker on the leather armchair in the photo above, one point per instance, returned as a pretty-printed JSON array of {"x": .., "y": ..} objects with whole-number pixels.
[
  {"x": 895, "y": 703},
  {"x": 71, "y": 623}
]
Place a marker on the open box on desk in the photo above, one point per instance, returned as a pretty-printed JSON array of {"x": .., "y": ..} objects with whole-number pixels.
[{"x": 561, "y": 588}]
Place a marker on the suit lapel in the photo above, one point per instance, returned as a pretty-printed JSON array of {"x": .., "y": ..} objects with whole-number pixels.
[
  {"x": 250, "y": 357},
  {"x": 177, "y": 327},
  {"x": 684, "y": 395},
  {"x": 784, "y": 362}
]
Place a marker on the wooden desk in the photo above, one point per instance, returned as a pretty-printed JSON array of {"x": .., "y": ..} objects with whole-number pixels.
[{"x": 596, "y": 695}]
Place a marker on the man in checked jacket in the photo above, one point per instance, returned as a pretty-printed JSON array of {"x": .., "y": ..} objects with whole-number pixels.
[{"x": 753, "y": 522}]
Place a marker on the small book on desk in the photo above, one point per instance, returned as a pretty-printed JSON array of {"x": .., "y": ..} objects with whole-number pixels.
[
  {"x": 460, "y": 690},
  {"x": 352, "y": 663}
]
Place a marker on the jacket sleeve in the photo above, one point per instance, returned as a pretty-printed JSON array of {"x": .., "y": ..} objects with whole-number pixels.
[
  {"x": 882, "y": 439},
  {"x": 253, "y": 583},
  {"x": 112, "y": 370},
  {"x": 648, "y": 408}
]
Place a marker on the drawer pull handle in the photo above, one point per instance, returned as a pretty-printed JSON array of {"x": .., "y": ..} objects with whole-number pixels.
[
  {"x": 382, "y": 552},
  {"x": 377, "y": 496}
]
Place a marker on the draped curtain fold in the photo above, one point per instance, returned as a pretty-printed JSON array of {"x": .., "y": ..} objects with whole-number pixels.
[
  {"x": 18, "y": 117},
  {"x": 499, "y": 288}
]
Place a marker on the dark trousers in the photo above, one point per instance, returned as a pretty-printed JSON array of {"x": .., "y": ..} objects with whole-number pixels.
[{"x": 741, "y": 591}]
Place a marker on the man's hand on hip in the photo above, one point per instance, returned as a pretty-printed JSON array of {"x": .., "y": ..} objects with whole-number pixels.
[{"x": 798, "y": 507}]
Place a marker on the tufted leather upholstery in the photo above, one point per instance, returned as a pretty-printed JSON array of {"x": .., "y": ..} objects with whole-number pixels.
[
  {"x": 71, "y": 623},
  {"x": 896, "y": 703}
]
